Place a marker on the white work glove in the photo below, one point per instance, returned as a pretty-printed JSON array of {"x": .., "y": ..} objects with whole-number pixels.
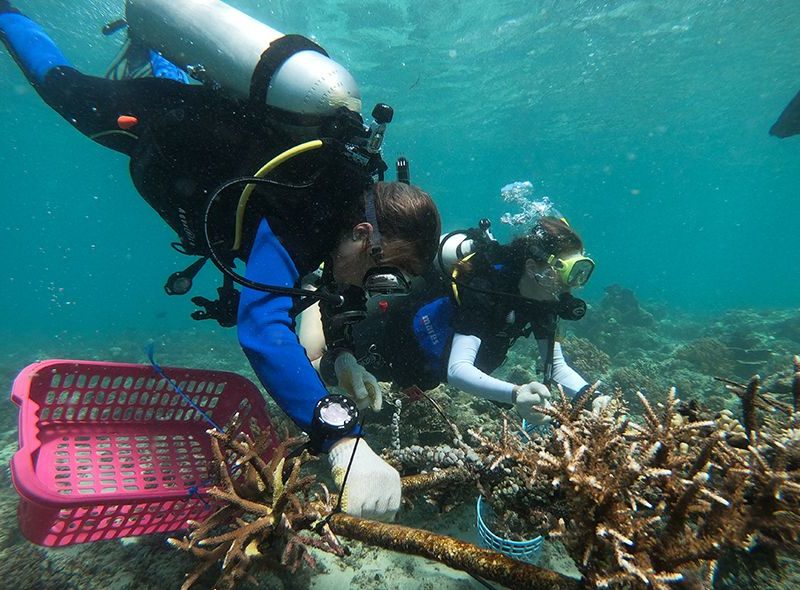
[
  {"x": 359, "y": 383},
  {"x": 373, "y": 486},
  {"x": 528, "y": 397},
  {"x": 600, "y": 403}
]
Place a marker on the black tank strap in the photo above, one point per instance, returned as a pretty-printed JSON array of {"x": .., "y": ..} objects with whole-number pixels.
[{"x": 273, "y": 58}]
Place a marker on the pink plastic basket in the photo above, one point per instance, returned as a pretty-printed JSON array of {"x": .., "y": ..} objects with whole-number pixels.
[{"x": 110, "y": 450}]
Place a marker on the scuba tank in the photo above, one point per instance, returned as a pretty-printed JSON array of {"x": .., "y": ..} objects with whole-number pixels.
[
  {"x": 453, "y": 247},
  {"x": 288, "y": 79},
  {"x": 459, "y": 244},
  {"x": 245, "y": 58}
]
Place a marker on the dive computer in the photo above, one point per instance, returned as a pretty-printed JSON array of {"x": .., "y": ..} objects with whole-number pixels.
[{"x": 335, "y": 416}]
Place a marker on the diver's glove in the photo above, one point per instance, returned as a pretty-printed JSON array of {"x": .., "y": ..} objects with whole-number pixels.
[
  {"x": 373, "y": 486},
  {"x": 526, "y": 399},
  {"x": 359, "y": 383}
]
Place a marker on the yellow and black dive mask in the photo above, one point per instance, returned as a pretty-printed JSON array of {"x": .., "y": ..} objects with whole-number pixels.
[
  {"x": 573, "y": 271},
  {"x": 566, "y": 273}
]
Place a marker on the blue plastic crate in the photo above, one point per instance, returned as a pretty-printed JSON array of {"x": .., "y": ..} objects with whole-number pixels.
[
  {"x": 542, "y": 429},
  {"x": 529, "y": 550}
]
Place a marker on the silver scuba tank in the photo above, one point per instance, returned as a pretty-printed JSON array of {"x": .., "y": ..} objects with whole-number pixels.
[
  {"x": 453, "y": 247},
  {"x": 220, "y": 45},
  {"x": 459, "y": 244}
]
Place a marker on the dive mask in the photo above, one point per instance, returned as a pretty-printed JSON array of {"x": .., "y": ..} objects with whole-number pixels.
[
  {"x": 385, "y": 280},
  {"x": 571, "y": 272}
]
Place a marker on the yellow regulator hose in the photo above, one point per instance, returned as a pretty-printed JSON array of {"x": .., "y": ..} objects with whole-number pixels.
[{"x": 262, "y": 172}]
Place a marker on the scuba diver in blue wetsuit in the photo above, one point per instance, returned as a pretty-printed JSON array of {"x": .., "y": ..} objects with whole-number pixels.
[
  {"x": 479, "y": 298},
  {"x": 302, "y": 202}
]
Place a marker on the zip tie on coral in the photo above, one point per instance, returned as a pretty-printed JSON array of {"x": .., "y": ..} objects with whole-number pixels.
[{"x": 349, "y": 465}]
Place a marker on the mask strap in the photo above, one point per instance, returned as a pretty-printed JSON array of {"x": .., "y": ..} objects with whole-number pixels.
[
  {"x": 534, "y": 243},
  {"x": 375, "y": 240}
]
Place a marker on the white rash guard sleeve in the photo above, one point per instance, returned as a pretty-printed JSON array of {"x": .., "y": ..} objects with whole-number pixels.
[
  {"x": 563, "y": 374},
  {"x": 462, "y": 372}
]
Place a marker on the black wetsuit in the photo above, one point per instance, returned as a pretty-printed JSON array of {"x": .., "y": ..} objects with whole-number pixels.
[
  {"x": 189, "y": 139},
  {"x": 183, "y": 142}
]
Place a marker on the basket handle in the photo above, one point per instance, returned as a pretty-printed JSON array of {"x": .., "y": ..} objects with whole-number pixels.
[{"x": 20, "y": 396}]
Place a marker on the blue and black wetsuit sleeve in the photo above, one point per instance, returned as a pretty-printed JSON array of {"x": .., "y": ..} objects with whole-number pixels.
[
  {"x": 267, "y": 332},
  {"x": 32, "y": 49},
  {"x": 90, "y": 104}
]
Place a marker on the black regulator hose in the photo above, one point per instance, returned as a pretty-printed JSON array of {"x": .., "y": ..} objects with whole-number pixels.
[
  {"x": 318, "y": 295},
  {"x": 567, "y": 306}
]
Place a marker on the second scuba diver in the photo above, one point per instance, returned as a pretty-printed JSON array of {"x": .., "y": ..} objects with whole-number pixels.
[
  {"x": 459, "y": 325},
  {"x": 319, "y": 206}
]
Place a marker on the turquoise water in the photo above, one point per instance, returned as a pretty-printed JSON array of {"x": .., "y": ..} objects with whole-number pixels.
[{"x": 646, "y": 123}]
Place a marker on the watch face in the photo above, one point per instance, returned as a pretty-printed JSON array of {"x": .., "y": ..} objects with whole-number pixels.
[{"x": 334, "y": 414}]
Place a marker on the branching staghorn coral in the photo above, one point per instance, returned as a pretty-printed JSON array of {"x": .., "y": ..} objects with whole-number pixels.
[
  {"x": 774, "y": 466},
  {"x": 266, "y": 507},
  {"x": 652, "y": 502},
  {"x": 658, "y": 503},
  {"x": 270, "y": 517}
]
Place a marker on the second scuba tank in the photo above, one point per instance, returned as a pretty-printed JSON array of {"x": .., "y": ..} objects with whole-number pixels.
[
  {"x": 453, "y": 247},
  {"x": 459, "y": 244},
  {"x": 220, "y": 45}
]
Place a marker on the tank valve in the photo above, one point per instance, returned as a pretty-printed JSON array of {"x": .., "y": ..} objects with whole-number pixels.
[{"x": 382, "y": 115}]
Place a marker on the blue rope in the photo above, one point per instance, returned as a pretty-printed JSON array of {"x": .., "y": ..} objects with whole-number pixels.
[
  {"x": 149, "y": 350},
  {"x": 194, "y": 492}
]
